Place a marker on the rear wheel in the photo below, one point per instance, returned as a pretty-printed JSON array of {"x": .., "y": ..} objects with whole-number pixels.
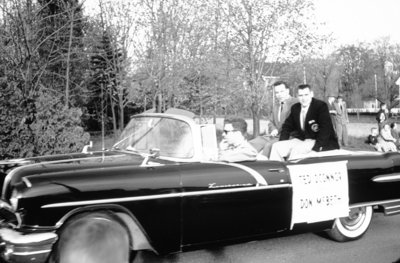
[{"x": 352, "y": 227}]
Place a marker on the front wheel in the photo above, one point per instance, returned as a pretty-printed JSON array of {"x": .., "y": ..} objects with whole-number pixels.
[
  {"x": 352, "y": 227},
  {"x": 92, "y": 237}
]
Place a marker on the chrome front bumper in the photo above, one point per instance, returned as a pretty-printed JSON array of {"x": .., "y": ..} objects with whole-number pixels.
[{"x": 21, "y": 248}]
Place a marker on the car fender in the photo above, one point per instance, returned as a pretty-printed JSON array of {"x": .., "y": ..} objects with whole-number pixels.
[{"x": 138, "y": 235}]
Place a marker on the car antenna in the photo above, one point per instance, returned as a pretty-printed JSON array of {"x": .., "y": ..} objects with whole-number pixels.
[{"x": 102, "y": 119}]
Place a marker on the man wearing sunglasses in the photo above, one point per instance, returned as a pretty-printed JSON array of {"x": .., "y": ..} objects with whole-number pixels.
[{"x": 234, "y": 147}]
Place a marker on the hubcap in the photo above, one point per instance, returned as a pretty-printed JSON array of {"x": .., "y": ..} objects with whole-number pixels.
[{"x": 355, "y": 219}]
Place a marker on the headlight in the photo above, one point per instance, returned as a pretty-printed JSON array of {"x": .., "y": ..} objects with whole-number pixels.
[
  {"x": 8, "y": 211},
  {"x": 8, "y": 215},
  {"x": 14, "y": 200},
  {"x": 5, "y": 205},
  {"x": 14, "y": 203}
]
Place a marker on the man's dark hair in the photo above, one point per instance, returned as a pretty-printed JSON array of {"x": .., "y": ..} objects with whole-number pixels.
[
  {"x": 392, "y": 125},
  {"x": 304, "y": 86},
  {"x": 238, "y": 124},
  {"x": 280, "y": 82}
]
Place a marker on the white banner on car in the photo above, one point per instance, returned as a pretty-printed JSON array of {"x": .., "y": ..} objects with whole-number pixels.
[{"x": 320, "y": 192}]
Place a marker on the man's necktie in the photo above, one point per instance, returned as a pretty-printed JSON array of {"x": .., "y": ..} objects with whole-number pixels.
[
  {"x": 280, "y": 111},
  {"x": 302, "y": 117}
]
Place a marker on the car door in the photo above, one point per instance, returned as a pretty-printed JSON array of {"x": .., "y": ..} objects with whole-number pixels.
[{"x": 223, "y": 201}]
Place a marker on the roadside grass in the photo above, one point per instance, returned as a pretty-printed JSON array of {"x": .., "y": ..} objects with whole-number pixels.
[
  {"x": 98, "y": 144},
  {"x": 358, "y": 144}
]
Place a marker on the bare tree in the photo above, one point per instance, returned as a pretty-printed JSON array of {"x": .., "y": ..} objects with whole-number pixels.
[
  {"x": 262, "y": 33},
  {"x": 32, "y": 48}
]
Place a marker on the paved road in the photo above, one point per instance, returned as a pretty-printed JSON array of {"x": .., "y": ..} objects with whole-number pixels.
[{"x": 381, "y": 244}]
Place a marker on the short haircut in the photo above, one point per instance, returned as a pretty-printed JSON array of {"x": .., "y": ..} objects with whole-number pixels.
[
  {"x": 303, "y": 86},
  {"x": 392, "y": 125},
  {"x": 238, "y": 124},
  {"x": 280, "y": 82}
]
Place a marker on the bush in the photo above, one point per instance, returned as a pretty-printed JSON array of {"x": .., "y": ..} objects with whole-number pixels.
[
  {"x": 39, "y": 126},
  {"x": 16, "y": 114},
  {"x": 57, "y": 130}
]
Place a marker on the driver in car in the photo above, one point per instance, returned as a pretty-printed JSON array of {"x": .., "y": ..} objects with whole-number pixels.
[{"x": 234, "y": 147}]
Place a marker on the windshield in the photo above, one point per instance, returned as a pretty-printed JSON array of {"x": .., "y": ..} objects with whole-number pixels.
[{"x": 172, "y": 137}]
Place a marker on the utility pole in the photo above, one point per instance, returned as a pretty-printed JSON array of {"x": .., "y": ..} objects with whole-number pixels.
[
  {"x": 304, "y": 75},
  {"x": 376, "y": 92}
]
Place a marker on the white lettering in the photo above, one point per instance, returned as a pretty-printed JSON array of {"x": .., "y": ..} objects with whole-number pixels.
[{"x": 320, "y": 191}]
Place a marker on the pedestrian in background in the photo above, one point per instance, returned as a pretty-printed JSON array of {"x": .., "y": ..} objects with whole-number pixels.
[
  {"x": 332, "y": 110},
  {"x": 373, "y": 140},
  {"x": 395, "y": 134},
  {"x": 342, "y": 121},
  {"x": 382, "y": 116},
  {"x": 387, "y": 141}
]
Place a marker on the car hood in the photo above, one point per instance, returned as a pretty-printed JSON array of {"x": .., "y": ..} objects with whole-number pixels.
[{"x": 13, "y": 171}]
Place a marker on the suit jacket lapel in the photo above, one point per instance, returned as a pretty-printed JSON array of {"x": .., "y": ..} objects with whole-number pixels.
[
  {"x": 296, "y": 114},
  {"x": 309, "y": 113}
]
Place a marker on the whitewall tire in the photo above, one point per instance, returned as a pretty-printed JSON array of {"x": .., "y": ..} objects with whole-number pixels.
[{"x": 352, "y": 227}]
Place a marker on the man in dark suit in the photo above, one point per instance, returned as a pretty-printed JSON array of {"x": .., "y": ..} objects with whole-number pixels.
[{"x": 313, "y": 126}]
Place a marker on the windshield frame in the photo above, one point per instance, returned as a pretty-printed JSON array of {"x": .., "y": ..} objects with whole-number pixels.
[{"x": 195, "y": 136}]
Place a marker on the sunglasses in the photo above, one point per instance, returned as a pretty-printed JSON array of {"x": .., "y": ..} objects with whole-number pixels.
[{"x": 226, "y": 131}]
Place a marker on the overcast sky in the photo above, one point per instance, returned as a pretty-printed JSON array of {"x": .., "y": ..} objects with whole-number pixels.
[{"x": 354, "y": 21}]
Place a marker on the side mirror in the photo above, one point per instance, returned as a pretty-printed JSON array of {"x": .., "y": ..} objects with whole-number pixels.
[
  {"x": 154, "y": 153},
  {"x": 87, "y": 147}
]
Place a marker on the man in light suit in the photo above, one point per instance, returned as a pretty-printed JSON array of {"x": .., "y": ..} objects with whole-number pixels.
[
  {"x": 281, "y": 109},
  {"x": 280, "y": 112},
  {"x": 313, "y": 126},
  {"x": 342, "y": 121}
]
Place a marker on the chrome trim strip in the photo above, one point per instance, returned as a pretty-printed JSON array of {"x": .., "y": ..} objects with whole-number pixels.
[
  {"x": 374, "y": 203},
  {"x": 392, "y": 212},
  {"x": 387, "y": 178},
  {"x": 27, "y": 182},
  {"x": 174, "y": 195},
  {"x": 31, "y": 253},
  {"x": 392, "y": 207},
  {"x": 19, "y": 240},
  {"x": 256, "y": 175}
]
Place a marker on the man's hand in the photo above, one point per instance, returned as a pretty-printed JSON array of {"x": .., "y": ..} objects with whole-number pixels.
[
  {"x": 274, "y": 133},
  {"x": 223, "y": 145}
]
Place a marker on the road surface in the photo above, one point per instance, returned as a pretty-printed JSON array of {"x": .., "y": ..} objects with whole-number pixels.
[{"x": 381, "y": 244}]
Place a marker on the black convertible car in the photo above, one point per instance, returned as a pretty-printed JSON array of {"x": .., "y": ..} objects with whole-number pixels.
[{"x": 161, "y": 182}]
